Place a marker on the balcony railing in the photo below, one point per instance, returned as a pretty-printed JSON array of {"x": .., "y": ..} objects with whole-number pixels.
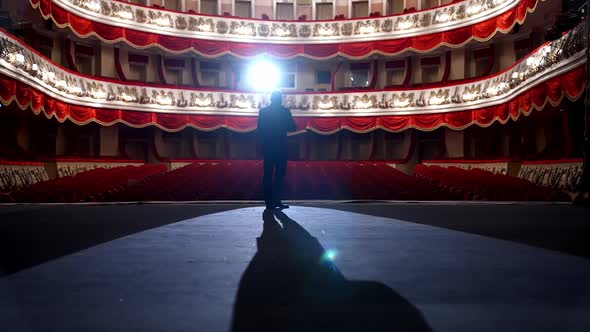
[
  {"x": 23, "y": 64},
  {"x": 178, "y": 24}
]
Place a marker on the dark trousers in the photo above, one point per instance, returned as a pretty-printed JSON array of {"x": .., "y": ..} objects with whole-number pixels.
[{"x": 274, "y": 163}]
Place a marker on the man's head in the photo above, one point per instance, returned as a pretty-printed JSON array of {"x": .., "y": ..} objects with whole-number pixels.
[{"x": 276, "y": 98}]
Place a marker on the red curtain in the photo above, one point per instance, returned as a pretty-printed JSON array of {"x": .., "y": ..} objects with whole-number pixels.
[
  {"x": 457, "y": 37},
  {"x": 569, "y": 84}
]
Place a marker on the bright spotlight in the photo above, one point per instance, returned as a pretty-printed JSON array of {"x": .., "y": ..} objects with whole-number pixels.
[
  {"x": 263, "y": 76},
  {"x": 329, "y": 255}
]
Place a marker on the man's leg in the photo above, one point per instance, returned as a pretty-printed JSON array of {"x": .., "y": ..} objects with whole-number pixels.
[
  {"x": 281, "y": 165},
  {"x": 267, "y": 181}
]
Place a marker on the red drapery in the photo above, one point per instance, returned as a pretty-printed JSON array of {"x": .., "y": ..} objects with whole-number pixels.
[
  {"x": 211, "y": 48},
  {"x": 569, "y": 84}
]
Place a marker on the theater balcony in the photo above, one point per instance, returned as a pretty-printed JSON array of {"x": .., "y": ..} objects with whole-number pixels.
[
  {"x": 350, "y": 29},
  {"x": 550, "y": 73}
]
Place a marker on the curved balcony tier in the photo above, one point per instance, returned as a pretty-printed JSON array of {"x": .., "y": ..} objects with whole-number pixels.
[
  {"x": 550, "y": 73},
  {"x": 452, "y": 25}
]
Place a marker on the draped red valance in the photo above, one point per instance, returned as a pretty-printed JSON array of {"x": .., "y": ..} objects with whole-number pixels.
[
  {"x": 570, "y": 84},
  {"x": 454, "y": 38}
]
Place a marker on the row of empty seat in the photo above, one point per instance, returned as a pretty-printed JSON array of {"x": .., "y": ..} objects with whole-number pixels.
[
  {"x": 479, "y": 184},
  {"x": 92, "y": 185},
  {"x": 242, "y": 180}
]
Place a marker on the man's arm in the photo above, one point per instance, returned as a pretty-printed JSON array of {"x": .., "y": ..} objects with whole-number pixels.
[
  {"x": 291, "y": 126},
  {"x": 260, "y": 128}
]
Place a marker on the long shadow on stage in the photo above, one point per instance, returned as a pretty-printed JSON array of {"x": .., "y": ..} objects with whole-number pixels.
[{"x": 292, "y": 284}]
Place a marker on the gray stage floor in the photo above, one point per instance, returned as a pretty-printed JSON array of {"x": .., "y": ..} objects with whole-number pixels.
[{"x": 218, "y": 271}]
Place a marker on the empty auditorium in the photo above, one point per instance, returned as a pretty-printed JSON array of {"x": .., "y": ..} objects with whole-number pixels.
[{"x": 294, "y": 165}]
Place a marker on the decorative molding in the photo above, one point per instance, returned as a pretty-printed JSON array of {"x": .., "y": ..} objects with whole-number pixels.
[
  {"x": 179, "y": 24},
  {"x": 559, "y": 174},
  {"x": 552, "y": 59},
  {"x": 498, "y": 167}
]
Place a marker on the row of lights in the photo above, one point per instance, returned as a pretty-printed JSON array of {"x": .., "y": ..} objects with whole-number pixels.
[
  {"x": 473, "y": 8},
  {"x": 269, "y": 79},
  {"x": 165, "y": 99}
]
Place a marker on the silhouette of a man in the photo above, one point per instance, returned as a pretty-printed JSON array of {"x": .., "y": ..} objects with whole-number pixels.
[{"x": 274, "y": 122}]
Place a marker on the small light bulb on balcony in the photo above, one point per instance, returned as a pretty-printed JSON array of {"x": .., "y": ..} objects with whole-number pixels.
[
  {"x": 363, "y": 104},
  {"x": 470, "y": 96},
  {"x": 164, "y": 100},
  {"x": 325, "y": 31},
  {"x": 61, "y": 84},
  {"x": 35, "y": 67},
  {"x": 243, "y": 103},
  {"x": 281, "y": 32},
  {"x": 48, "y": 76},
  {"x": 326, "y": 104},
  {"x": 404, "y": 25},
  {"x": 244, "y": 30},
  {"x": 444, "y": 17},
  {"x": 492, "y": 90},
  {"x": 474, "y": 8},
  {"x": 366, "y": 29},
  {"x": 99, "y": 94},
  {"x": 435, "y": 100},
  {"x": 92, "y": 5},
  {"x": 401, "y": 103},
  {"x": 19, "y": 59},
  {"x": 205, "y": 27},
  {"x": 74, "y": 89},
  {"x": 127, "y": 98},
  {"x": 530, "y": 61},
  {"x": 162, "y": 21},
  {"x": 124, "y": 14}
]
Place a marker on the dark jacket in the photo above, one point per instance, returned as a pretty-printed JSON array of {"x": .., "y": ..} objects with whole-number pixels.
[{"x": 274, "y": 122}]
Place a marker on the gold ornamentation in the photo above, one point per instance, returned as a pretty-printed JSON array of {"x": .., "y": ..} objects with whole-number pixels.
[
  {"x": 364, "y": 102},
  {"x": 242, "y": 101},
  {"x": 242, "y": 29},
  {"x": 263, "y": 30},
  {"x": 439, "y": 97},
  {"x": 202, "y": 100},
  {"x": 325, "y": 102},
  {"x": 127, "y": 94},
  {"x": 387, "y": 25},
  {"x": 367, "y": 27},
  {"x": 402, "y": 100},
  {"x": 283, "y": 30},
  {"x": 326, "y": 30},
  {"x": 140, "y": 16},
  {"x": 347, "y": 29},
  {"x": 181, "y": 23},
  {"x": 305, "y": 31},
  {"x": 160, "y": 19},
  {"x": 222, "y": 27}
]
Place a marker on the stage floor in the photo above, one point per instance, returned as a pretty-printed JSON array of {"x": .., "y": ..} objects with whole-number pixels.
[{"x": 347, "y": 267}]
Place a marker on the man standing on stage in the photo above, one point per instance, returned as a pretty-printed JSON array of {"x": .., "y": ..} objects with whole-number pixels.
[{"x": 274, "y": 122}]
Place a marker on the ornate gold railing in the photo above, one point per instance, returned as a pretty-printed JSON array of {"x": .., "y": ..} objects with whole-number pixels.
[{"x": 22, "y": 63}]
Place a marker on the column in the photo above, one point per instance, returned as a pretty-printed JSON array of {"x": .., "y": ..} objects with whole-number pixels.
[
  {"x": 454, "y": 143},
  {"x": 505, "y": 54},
  {"x": 60, "y": 141},
  {"x": 457, "y": 64},
  {"x": 109, "y": 141},
  {"x": 107, "y": 60}
]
